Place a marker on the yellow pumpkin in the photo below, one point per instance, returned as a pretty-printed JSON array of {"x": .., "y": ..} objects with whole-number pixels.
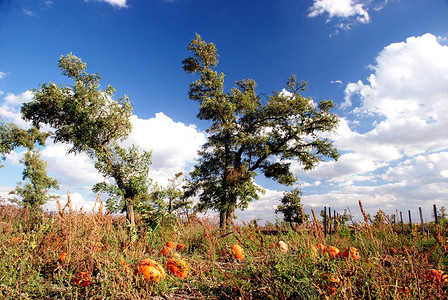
[
  {"x": 283, "y": 246},
  {"x": 314, "y": 252}
]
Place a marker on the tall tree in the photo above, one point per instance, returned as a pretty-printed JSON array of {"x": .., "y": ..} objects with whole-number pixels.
[
  {"x": 249, "y": 134},
  {"x": 87, "y": 117}
]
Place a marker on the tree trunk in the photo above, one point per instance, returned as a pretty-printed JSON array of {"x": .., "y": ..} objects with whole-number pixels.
[
  {"x": 223, "y": 219},
  {"x": 130, "y": 213},
  {"x": 225, "y": 216}
]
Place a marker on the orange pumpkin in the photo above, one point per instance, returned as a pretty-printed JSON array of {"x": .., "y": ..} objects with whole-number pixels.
[
  {"x": 63, "y": 256},
  {"x": 351, "y": 252},
  {"x": 82, "y": 279},
  {"x": 436, "y": 276},
  {"x": 125, "y": 264},
  {"x": 238, "y": 252},
  {"x": 151, "y": 270},
  {"x": 180, "y": 247},
  {"x": 333, "y": 283},
  {"x": 333, "y": 252},
  {"x": 321, "y": 248},
  {"x": 178, "y": 267},
  {"x": 166, "y": 251},
  {"x": 171, "y": 245}
]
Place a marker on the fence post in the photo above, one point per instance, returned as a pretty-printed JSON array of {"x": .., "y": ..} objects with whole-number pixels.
[
  {"x": 410, "y": 220},
  {"x": 325, "y": 221},
  {"x": 329, "y": 220},
  {"x": 335, "y": 219},
  {"x": 421, "y": 220},
  {"x": 435, "y": 214},
  {"x": 402, "y": 226}
]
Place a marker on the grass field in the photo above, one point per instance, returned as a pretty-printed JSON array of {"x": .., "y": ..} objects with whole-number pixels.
[{"x": 42, "y": 257}]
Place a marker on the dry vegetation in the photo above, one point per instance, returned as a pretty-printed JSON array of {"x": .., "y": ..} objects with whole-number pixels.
[{"x": 42, "y": 255}]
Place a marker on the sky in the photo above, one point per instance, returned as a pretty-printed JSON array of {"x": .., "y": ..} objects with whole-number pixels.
[{"x": 384, "y": 63}]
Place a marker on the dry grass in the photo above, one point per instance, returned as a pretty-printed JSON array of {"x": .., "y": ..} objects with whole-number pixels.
[{"x": 392, "y": 266}]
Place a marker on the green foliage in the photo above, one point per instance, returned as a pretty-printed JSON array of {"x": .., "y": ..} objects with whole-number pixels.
[
  {"x": 11, "y": 136},
  {"x": 86, "y": 116},
  {"x": 34, "y": 192},
  {"x": 250, "y": 134},
  {"x": 291, "y": 208},
  {"x": 129, "y": 168}
]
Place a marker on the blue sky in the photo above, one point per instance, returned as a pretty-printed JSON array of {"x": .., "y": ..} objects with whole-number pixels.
[{"x": 385, "y": 64}]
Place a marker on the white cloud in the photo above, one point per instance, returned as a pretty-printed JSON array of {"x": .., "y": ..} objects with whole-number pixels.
[
  {"x": 28, "y": 12},
  {"x": 118, "y": 3},
  {"x": 412, "y": 105},
  {"x": 15, "y": 100},
  {"x": 2, "y": 75},
  {"x": 263, "y": 208},
  {"x": 174, "y": 144},
  {"x": 10, "y": 109},
  {"x": 70, "y": 169},
  {"x": 401, "y": 161},
  {"x": 340, "y": 9}
]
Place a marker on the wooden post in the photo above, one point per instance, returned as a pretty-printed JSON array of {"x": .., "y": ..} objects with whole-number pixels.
[
  {"x": 410, "y": 220},
  {"x": 325, "y": 221},
  {"x": 435, "y": 214},
  {"x": 421, "y": 220},
  {"x": 329, "y": 220},
  {"x": 402, "y": 225}
]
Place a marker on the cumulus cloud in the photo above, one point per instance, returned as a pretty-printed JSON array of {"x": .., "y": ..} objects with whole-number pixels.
[
  {"x": 174, "y": 145},
  {"x": 10, "y": 109},
  {"x": 340, "y": 9},
  {"x": 401, "y": 162},
  {"x": 2, "y": 75},
  {"x": 412, "y": 105},
  {"x": 15, "y": 100}
]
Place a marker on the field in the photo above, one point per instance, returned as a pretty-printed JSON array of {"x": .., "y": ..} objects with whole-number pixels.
[{"x": 92, "y": 255}]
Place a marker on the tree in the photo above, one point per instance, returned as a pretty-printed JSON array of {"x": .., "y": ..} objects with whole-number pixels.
[
  {"x": 291, "y": 208},
  {"x": 86, "y": 116},
  {"x": 11, "y": 136},
  {"x": 249, "y": 134},
  {"x": 163, "y": 202},
  {"x": 129, "y": 168},
  {"x": 35, "y": 191}
]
